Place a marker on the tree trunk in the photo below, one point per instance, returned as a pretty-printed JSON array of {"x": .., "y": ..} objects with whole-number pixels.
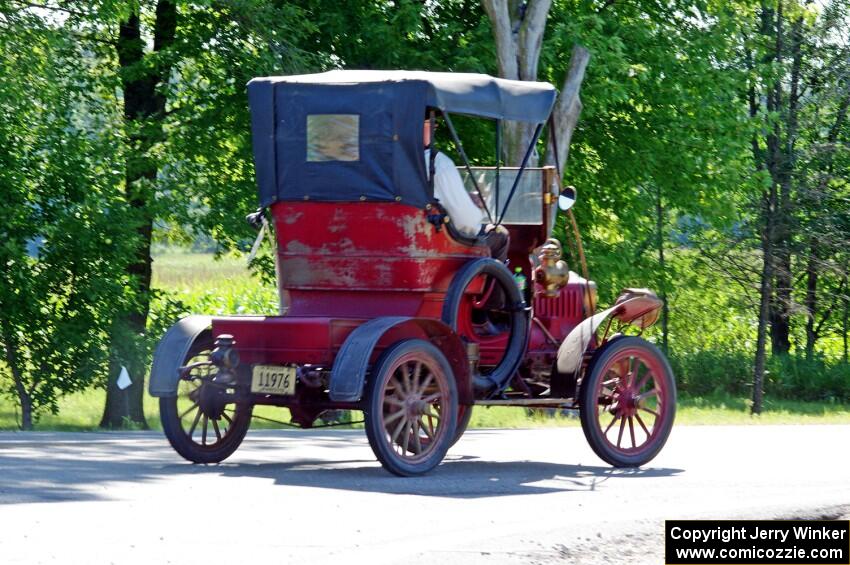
[
  {"x": 780, "y": 307},
  {"x": 846, "y": 318},
  {"x": 25, "y": 399},
  {"x": 764, "y": 300},
  {"x": 763, "y": 160},
  {"x": 811, "y": 300},
  {"x": 518, "y": 29},
  {"x": 662, "y": 274},
  {"x": 782, "y": 170},
  {"x": 10, "y": 349},
  {"x": 568, "y": 108},
  {"x": 780, "y": 319},
  {"x": 144, "y": 109},
  {"x": 761, "y": 339}
]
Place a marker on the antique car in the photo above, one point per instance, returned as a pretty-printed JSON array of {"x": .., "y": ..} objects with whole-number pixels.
[{"x": 387, "y": 309}]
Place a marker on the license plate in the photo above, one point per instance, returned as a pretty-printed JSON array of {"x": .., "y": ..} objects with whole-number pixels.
[{"x": 273, "y": 379}]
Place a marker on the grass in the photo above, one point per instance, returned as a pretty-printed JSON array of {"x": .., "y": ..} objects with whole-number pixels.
[
  {"x": 176, "y": 270},
  {"x": 690, "y": 411},
  {"x": 224, "y": 286},
  {"x": 731, "y": 410},
  {"x": 82, "y": 411},
  {"x": 207, "y": 285}
]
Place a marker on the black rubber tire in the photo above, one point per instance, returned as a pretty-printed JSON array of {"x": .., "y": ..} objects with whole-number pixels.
[
  {"x": 180, "y": 440},
  {"x": 588, "y": 402},
  {"x": 379, "y": 441},
  {"x": 515, "y": 351},
  {"x": 465, "y": 414}
]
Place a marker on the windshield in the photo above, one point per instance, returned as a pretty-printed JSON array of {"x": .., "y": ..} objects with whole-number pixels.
[{"x": 526, "y": 206}]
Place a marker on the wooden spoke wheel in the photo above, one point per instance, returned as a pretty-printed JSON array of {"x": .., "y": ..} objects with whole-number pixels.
[
  {"x": 412, "y": 408},
  {"x": 202, "y": 422},
  {"x": 628, "y": 402}
]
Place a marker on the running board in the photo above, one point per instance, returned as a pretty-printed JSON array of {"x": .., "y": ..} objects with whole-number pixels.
[{"x": 529, "y": 402}]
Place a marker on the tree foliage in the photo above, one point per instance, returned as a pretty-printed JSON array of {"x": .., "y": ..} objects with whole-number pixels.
[{"x": 62, "y": 215}]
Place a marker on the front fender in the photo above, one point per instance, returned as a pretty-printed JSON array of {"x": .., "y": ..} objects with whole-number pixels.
[
  {"x": 634, "y": 306},
  {"x": 348, "y": 374},
  {"x": 171, "y": 352}
]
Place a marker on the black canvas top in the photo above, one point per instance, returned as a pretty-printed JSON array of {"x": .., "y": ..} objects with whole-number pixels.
[
  {"x": 461, "y": 93},
  {"x": 357, "y": 135}
]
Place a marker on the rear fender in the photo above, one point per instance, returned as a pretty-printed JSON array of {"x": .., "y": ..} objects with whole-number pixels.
[
  {"x": 348, "y": 375},
  {"x": 171, "y": 352}
]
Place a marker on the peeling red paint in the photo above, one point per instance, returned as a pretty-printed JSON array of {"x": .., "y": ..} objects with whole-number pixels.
[{"x": 341, "y": 265}]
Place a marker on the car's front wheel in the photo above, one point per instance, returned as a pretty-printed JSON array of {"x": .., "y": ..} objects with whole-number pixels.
[{"x": 628, "y": 402}]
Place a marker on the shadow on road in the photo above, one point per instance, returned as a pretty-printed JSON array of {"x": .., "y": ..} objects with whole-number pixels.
[
  {"x": 78, "y": 467},
  {"x": 457, "y": 477}
]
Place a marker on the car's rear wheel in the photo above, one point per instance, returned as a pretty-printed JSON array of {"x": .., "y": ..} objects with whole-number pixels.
[
  {"x": 412, "y": 407},
  {"x": 202, "y": 421}
]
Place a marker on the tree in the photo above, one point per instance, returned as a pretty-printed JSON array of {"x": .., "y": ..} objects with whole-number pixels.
[
  {"x": 821, "y": 201},
  {"x": 62, "y": 215},
  {"x": 518, "y": 29},
  {"x": 657, "y": 158},
  {"x": 144, "y": 110},
  {"x": 185, "y": 147},
  {"x": 798, "y": 95},
  {"x": 206, "y": 182}
]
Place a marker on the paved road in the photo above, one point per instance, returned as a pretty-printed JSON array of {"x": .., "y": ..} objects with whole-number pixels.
[{"x": 521, "y": 496}]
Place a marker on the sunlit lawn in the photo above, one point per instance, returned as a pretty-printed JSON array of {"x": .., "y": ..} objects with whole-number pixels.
[
  {"x": 177, "y": 270},
  {"x": 82, "y": 411}
]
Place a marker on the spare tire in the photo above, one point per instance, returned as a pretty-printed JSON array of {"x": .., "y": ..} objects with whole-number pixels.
[{"x": 499, "y": 378}]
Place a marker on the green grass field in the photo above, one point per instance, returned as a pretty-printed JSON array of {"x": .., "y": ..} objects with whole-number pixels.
[
  {"x": 224, "y": 286},
  {"x": 82, "y": 411}
]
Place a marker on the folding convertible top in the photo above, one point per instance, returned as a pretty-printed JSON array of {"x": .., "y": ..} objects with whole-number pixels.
[
  {"x": 357, "y": 135},
  {"x": 461, "y": 93}
]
